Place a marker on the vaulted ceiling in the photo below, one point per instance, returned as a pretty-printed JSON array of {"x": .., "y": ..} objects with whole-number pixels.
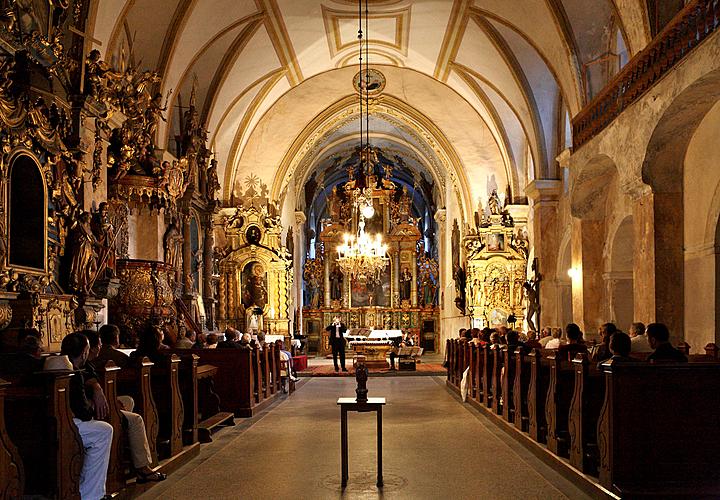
[{"x": 493, "y": 81}]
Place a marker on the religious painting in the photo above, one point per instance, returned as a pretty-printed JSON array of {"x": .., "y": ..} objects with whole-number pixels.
[
  {"x": 27, "y": 215},
  {"x": 254, "y": 284},
  {"x": 253, "y": 235},
  {"x": 496, "y": 242},
  {"x": 359, "y": 294}
]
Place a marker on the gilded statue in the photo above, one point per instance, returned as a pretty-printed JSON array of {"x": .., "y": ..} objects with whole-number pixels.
[
  {"x": 213, "y": 184},
  {"x": 336, "y": 281},
  {"x": 105, "y": 234},
  {"x": 83, "y": 264},
  {"x": 405, "y": 284},
  {"x": 173, "y": 241},
  {"x": 494, "y": 203}
]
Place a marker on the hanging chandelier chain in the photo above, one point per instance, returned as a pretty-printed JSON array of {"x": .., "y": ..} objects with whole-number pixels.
[{"x": 363, "y": 256}]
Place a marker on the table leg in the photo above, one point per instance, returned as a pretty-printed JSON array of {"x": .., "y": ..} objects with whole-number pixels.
[
  {"x": 344, "y": 446},
  {"x": 379, "y": 447}
]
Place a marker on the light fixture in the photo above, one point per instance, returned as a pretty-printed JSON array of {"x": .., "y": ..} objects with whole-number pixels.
[
  {"x": 574, "y": 273},
  {"x": 363, "y": 256}
]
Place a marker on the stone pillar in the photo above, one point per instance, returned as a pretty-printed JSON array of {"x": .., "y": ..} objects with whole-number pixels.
[
  {"x": 413, "y": 286},
  {"x": 658, "y": 264},
  {"x": 443, "y": 280},
  {"x": 544, "y": 194},
  {"x": 587, "y": 284},
  {"x": 299, "y": 248},
  {"x": 396, "y": 280},
  {"x": 208, "y": 256},
  {"x": 326, "y": 277},
  {"x": 186, "y": 254}
]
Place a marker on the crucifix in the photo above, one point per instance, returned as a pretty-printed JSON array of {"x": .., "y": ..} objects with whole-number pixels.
[{"x": 85, "y": 49}]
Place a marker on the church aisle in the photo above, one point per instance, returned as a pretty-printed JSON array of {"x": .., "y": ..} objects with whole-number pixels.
[{"x": 433, "y": 448}]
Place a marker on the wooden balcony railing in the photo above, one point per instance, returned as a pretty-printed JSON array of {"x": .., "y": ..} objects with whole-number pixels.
[{"x": 696, "y": 22}]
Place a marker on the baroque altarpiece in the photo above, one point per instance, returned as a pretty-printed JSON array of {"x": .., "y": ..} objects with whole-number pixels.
[
  {"x": 404, "y": 295},
  {"x": 495, "y": 273},
  {"x": 253, "y": 269},
  {"x": 80, "y": 173}
]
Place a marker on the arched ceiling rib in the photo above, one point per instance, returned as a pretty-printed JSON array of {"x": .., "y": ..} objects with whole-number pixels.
[{"x": 513, "y": 62}]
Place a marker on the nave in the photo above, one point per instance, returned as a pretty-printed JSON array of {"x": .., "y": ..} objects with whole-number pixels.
[{"x": 433, "y": 447}]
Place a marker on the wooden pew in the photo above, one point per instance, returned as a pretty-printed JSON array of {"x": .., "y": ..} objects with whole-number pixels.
[
  {"x": 488, "y": 363},
  {"x": 201, "y": 402},
  {"x": 557, "y": 403},
  {"x": 136, "y": 382},
  {"x": 508, "y": 382},
  {"x": 659, "y": 430},
  {"x": 12, "y": 473},
  {"x": 472, "y": 359},
  {"x": 40, "y": 424},
  {"x": 497, "y": 366},
  {"x": 588, "y": 395},
  {"x": 537, "y": 394},
  {"x": 478, "y": 373},
  {"x": 116, "y": 468},
  {"x": 235, "y": 379},
  {"x": 521, "y": 384},
  {"x": 168, "y": 400}
]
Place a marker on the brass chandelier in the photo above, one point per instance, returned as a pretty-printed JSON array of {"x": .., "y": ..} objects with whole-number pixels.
[{"x": 362, "y": 256}]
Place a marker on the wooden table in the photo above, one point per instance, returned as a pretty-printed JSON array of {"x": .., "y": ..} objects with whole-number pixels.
[{"x": 350, "y": 404}]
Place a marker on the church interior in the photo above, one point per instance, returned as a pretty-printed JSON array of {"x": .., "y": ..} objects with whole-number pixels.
[{"x": 243, "y": 210}]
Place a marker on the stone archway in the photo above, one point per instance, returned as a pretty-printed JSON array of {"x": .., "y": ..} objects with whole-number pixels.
[
  {"x": 619, "y": 278},
  {"x": 663, "y": 213}
]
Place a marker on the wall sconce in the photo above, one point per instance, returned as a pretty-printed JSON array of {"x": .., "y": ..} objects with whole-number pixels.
[{"x": 574, "y": 273}]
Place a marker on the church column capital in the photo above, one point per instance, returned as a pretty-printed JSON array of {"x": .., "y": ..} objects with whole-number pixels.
[
  {"x": 441, "y": 216},
  {"x": 563, "y": 158},
  {"x": 541, "y": 190}
]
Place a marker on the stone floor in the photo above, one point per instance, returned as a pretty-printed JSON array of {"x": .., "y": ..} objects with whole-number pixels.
[{"x": 434, "y": 447}]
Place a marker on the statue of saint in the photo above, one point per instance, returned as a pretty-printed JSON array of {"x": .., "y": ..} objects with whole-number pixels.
[
  {"x": 83, "y": 264},
  {"x": 405, "y": 284},
  {"x": 173, "y": 242},
  {"x": 494, "y": 203},
  {"x": 336, "y": 281}
]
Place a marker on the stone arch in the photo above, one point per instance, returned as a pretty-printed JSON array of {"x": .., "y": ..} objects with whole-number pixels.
[
  {"x": 619, "y": 276},
  {"x": 589, "y": 188},
  {"x": 663, "y": 169}
]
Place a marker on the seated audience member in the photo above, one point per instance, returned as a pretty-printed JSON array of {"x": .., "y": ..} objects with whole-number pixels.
[
  {"x": 461, "y": 334},
  {"x": 186, "y": 341},
  {"x": 659, "y": 339},
  {"x": 496, "y": 339},
  {"x": 619, "y": 347},
  {"x": 133, "y": 423},
  {"x": 94, "y": 341},
  {"x": 200, "y": 341},
  {"x": 149, "y": 345},
  {"x": 407, "y": 339},
  {"x": 545, "y": 336},
  {"x": 230, "y": 341},
  {"x": 485, "y": 336},
  {"x": 468, "y": 334},
  {"x": 575, "y": 342},
  {"x": 212, "y": 341},
  {"x": 396, "y": 344},
  {"x": 602, "y": 352},
  {"x": 554, "y": 341},
  {"x": 27, "y": 357},
  {"x": 532, "y": 341},
  {"x": 96, "y": 435},
  {"x": 109, "y": 343},
  {"x": 638, "y": 338},
  {"x": 245, "y": 340}
]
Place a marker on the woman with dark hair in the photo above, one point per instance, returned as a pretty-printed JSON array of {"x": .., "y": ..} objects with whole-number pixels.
[{"x": 149, "y": 343}]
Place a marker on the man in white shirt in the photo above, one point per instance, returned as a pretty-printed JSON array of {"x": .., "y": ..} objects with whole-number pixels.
[{"x": 638, "y": 339}]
